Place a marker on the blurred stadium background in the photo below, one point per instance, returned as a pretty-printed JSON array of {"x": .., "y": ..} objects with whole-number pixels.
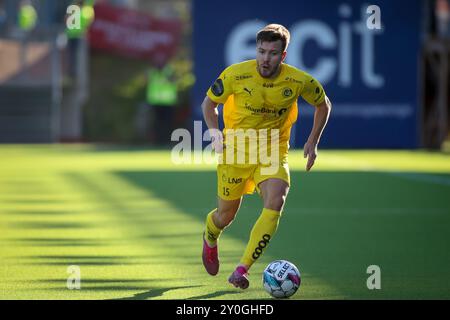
[{"x": 86, "y": 177}]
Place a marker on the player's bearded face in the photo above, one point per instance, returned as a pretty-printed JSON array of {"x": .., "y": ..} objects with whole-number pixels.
[{"x": 269, "y": 56}]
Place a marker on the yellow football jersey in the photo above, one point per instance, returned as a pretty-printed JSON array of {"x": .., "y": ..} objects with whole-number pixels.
[{"x": 253, "y": 102}]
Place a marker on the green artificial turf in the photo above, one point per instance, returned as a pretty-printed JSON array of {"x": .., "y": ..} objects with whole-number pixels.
[{"x": 131, "y": 221}]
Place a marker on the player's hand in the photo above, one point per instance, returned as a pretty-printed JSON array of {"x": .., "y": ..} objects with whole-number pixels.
[
  {"x": 217, "y": 140},
  {"x": 310, "y": 152}
]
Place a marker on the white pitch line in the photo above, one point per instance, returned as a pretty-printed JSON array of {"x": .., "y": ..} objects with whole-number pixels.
[{"x": 422, "y": 177}]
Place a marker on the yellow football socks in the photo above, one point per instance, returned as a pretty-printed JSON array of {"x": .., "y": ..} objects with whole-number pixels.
[
  {"x": 212, "y": 232},
  {"x": 262, "y": 232}
]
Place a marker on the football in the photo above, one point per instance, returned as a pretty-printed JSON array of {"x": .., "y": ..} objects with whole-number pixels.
[{"x": 281, "y": 279}]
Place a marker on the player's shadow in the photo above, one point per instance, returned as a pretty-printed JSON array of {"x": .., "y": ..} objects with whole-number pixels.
[
  {"x": 153, "y": 293},
  {"x": 213, "y": 295}
]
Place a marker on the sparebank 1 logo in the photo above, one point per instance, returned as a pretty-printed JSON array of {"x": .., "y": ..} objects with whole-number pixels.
[{"x": 338, "y": 41}]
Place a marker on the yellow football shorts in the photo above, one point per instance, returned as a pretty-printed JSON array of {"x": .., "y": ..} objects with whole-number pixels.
[{"x": 234, "y": 181}]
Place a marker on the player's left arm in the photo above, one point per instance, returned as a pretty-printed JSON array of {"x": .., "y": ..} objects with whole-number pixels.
[{"x": 321, "y": 116}]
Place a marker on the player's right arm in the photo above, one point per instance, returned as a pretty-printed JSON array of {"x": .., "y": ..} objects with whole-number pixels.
[
  {"x": 218, "y": 93},
  {"x": 211, "y": 116}
]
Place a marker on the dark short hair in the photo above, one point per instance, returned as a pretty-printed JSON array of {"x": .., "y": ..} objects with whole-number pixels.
[{"x": 274, "y": 32}]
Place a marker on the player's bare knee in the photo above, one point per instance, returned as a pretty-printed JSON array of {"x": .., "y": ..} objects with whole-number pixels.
[
  {"x": 275, "y": 200},
  {"x": 226, "y": 212},
  {"x": 225, "y": 218}
]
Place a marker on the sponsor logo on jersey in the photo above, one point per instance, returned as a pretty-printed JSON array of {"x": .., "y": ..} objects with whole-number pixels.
[
  {"x": 293, "y": 80},
  {"x": 265, "y": 111},
  {"x": 231, "y": 180},
  {"x": 234, "y": 180},
  {"x": 243, "y": 77}
]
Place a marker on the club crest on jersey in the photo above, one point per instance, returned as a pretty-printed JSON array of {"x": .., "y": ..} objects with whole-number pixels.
[
  {"x": 287, "y": 92},
  {"x": 217, "y": 88}
]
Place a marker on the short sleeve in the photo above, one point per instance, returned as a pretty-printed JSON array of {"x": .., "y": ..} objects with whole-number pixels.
[
  {"x": 222, "y": 87},
  {"x": 312, "y": 92}
]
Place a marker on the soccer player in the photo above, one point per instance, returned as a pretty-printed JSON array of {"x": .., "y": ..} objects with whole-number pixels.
[{"x": 257, "y": 94}]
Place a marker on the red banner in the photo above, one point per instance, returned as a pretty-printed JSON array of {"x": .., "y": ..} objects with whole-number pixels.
[{"x": 134, "y": 34}]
